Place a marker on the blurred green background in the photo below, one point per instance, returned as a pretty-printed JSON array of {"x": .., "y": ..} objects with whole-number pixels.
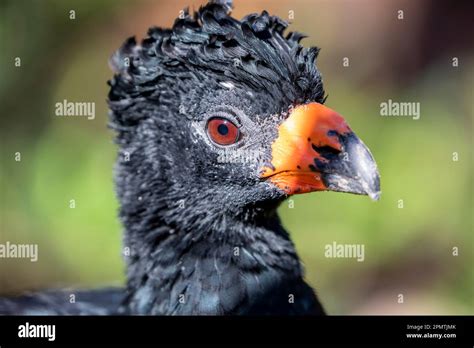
[{"x": 408, "y": 251}]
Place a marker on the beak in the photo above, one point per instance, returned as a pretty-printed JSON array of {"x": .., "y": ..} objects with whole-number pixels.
[{"x": 317, "y": 151}]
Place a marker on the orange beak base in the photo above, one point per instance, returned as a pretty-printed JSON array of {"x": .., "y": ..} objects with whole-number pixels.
[{"x": 316, "y": 150}]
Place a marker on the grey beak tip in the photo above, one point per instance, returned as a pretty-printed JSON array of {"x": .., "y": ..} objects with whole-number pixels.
[
  {"x": 375, "y": 196},
  {"x": 353, "y": 170}
]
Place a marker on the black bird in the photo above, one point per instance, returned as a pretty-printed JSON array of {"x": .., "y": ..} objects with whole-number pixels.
[{"x": 217, "y": 122}]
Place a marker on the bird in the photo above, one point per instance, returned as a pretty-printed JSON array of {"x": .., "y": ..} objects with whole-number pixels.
[{"x": 217, "y": 121}]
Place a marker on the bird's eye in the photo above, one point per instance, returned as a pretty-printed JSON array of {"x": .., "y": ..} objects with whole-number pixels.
[{"x": 222, "y": 131}]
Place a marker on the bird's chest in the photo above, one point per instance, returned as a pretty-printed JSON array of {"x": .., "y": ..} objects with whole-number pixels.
[{"x": 213, "y": 287}]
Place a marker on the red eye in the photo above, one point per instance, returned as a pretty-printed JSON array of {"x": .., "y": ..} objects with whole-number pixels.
[{"x": 222, "y": 131}]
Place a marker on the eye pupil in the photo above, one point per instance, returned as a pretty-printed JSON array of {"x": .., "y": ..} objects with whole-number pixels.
[{"x": 223, "y": 129}]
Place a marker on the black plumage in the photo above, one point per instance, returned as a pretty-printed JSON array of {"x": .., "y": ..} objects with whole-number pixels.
[
  {"x": 64, "y": 302},
  {"x": 197, "y": 228},
  {"x": 202, "y": 235}
]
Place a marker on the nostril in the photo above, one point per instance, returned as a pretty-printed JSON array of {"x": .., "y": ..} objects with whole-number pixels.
[{"x": 326, "y": 152}]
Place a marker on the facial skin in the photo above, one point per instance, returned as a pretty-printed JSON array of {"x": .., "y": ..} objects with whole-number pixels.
[{"x": 299, "y": 150}]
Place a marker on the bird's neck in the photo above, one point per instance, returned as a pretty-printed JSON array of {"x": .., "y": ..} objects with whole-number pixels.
[{"x": 222, "y": 265}]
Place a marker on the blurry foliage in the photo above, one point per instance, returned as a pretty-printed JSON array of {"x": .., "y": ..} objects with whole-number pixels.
[{"x": 406, "y": 250}]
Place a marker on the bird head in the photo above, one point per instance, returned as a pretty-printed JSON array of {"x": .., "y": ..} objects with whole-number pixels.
[{"x": 228, "y": 112}]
